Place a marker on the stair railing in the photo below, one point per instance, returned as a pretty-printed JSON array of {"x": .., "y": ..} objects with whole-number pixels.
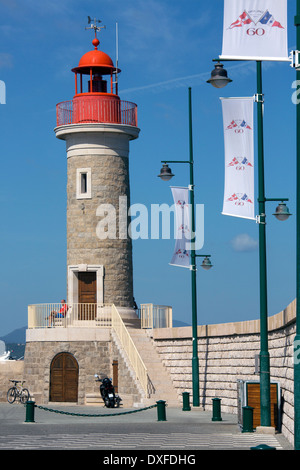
[{"x": 130, "y": 349}]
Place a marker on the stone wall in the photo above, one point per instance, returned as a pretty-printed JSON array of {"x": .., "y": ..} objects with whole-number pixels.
[
  {"x": 92, "y": 357},
  {"x": 10, "y": 370},
  {"x": 227, "y": 354},
  {"x": 94, "y": 353}
]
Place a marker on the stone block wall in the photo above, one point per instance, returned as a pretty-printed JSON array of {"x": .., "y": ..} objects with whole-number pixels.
[
  {"x": 10, "y": 370},
  {"x": 94, "y": 354},
  {"x": 227, "y": 354},
  {"x": 92, "y": 357}
]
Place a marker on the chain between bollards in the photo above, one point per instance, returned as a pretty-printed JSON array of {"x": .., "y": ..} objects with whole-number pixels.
[{"x": 30, "y": 408}]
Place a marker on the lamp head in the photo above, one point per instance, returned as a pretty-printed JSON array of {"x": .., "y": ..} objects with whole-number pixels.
[
  {"x": 165, "y": 173},
  {"x": 219, "y": 77},
  {"x": 206, "y": 263},
  {"x": 282, "y": 212}
]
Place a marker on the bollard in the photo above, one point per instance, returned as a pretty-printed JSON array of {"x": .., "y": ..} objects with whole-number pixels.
[
  {"x": 30, "y": 412},
  {"x": 161, "y": 410},
  {"x": 186, "y": 401},
  {"x": 216, "y": 409},
  {"x": 247, "y": 419},
  {"x": 263, "y": 447}
]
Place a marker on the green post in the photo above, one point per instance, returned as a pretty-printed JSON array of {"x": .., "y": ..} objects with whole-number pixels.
[
  {"x": 216, "y": 409},
  {"x": 161, "y": 410},
  {"x": 195, "y": 359},
  {"x": 265, "y": 407},
  {"x": 30, "y": 412},
  {"x": 247, "y": 419},
  {"x": 297, "y": 336},
  {"x": 186, "y": 401}
]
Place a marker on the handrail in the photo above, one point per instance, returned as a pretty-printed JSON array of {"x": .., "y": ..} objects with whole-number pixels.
[
  {"x": 95, "y": 109},
  {"x": 130, "y": 349},
  {"x": 81, "y": 315}
]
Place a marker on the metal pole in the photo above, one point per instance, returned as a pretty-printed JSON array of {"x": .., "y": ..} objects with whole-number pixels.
[
  {"x": 195, "y": 360},
  {"x": 297, "y": 337},
  {"x": 265, "y": 408}
]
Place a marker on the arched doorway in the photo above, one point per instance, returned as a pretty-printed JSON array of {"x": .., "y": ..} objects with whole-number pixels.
[{"x": 64, "y": 378}]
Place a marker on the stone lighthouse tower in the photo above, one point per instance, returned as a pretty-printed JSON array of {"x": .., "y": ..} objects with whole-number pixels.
[{"x": 97, "y": 127}]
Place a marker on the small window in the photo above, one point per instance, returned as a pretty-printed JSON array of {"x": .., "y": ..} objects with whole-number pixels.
[{"x": 84, "y": 183}]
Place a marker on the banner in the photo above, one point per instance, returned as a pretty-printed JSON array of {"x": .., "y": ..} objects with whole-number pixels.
[
  {"x": 255, "y": 30},
  {"x": 181, "y": 255},
  {"x": 239, "y": 157}
]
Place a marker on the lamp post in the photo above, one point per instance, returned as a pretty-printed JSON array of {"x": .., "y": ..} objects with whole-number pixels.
[
  {"x": 297, "y": 337},
  {"x": 166, "y": 174},
  {"x": 281, "y": 213}
]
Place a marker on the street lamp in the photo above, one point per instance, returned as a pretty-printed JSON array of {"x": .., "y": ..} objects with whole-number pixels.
[
  {"x": 281, "y": 213},
  {"x": 297, "y": 336},
  {"x": 219, "y": 77},
  {"x": 166, "y": 174},
  {"x": 206, "y": 263}
]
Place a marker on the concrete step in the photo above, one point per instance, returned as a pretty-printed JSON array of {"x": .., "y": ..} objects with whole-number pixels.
[{"x": 95, "y": 399}]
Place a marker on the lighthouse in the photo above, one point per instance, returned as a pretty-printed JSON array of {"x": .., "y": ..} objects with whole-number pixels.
[
  {"x": 68, "y": 342},
  {"x": 97, "y": 127}
]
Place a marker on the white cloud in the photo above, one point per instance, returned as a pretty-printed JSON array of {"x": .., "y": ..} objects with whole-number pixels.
[{"x": 243, "y": 242}]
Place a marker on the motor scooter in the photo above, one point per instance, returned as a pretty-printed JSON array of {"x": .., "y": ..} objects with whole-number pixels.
[{"x": 107, "y": 392}]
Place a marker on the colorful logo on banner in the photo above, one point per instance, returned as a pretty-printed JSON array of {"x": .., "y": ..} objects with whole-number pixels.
[
  {"x": 182, "y": 254},
  {"x": 260, "y": 20},
  {"x": 238, "y": 125},
  {"x": 239, "y": 199},
  {"x": 240, "y": 163}
]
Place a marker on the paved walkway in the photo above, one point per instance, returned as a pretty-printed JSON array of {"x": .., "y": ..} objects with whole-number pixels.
[{"x": 125, "y": 430}]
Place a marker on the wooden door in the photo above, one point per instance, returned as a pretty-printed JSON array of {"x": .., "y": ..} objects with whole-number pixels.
[
  {"x": 87, "y": 295},
  {"x": 115, "y": 368},
  {"x": 253, "y": 400},
  {"x": 64, "y": 378}
]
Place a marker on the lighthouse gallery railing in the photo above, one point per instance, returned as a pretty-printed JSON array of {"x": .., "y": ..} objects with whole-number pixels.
[{"x": 86, "y": 110}]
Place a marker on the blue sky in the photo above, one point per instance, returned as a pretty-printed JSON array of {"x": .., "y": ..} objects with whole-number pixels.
[{"x": 165, "y": 46}]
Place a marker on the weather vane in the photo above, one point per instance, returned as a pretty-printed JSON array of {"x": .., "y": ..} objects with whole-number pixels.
[{"x": 94, "y": 25}]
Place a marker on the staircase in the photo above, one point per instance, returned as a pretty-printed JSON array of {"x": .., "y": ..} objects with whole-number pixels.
[{"x": 162, "y": 387}]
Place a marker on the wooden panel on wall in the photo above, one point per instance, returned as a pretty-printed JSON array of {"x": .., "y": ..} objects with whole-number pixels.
[{"x": 253, "y": 400}]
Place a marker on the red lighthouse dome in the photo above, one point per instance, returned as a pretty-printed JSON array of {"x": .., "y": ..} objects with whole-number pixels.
[{"x": 96, "y": 59}]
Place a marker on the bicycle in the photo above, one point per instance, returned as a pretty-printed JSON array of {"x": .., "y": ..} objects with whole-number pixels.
[{"x": 18, "y": 391}]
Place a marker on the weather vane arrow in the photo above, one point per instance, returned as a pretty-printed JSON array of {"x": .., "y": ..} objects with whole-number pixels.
[{"x": 94, "y": 25}]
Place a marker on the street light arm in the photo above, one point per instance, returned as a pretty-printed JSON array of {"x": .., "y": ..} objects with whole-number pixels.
[
  {"x": 267, "y": 199},
  {"x": 203, "y": 256},
  {"x": 177, "y": 161}
]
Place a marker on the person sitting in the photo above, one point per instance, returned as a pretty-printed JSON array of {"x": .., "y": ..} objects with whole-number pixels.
[{"x": 61, "y": 312}]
